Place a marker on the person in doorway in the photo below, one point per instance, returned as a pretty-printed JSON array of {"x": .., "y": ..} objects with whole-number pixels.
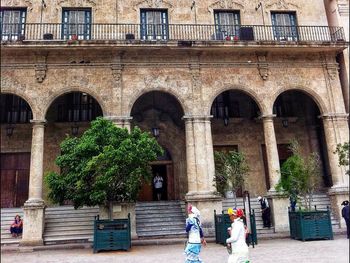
[
  {"x": 158, "y": 186},
  {"x": 195, "y": 236},
  {"x": 16, "y": 228},
  {"x": 265, "y": 211},
  {"x": 236, "y": 243},
  {"x": 345, "y": 215}
]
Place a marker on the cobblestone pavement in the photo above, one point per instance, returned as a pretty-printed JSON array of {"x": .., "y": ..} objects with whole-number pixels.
[{"x": 277, "y": 250}]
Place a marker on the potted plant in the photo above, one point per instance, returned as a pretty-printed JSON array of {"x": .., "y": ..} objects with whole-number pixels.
[
  {"x": 105, "y": 166},
  {"x": 230, "y": 170},
  {"x": 299, "y": 179}
]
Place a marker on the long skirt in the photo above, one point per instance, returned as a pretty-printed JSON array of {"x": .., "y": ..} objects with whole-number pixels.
[
  {"x": 192, "y": 253},
  {"x": 239, "y": 257},
  {"x": 16, "y": 230}
]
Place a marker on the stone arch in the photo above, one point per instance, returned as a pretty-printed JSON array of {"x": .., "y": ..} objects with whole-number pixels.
[
  {"x": 312, "y": 94},
  {"x": 61, "y": 92},
  {"x": 27, "y": 99},
  {"x": 167, "y": 91},
  {"x": 251, "y": 93}
]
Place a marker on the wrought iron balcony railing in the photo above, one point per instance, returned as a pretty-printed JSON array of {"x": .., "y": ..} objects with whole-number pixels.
[{"x": 170, "y": 32}]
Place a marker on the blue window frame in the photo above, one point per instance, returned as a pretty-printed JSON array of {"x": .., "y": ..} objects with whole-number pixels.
[
  {"x": 154, "y": 24},
  {"x": 76, "y": 22},
  {"x": 227, "y": 24},
  {"x": 12, "y": 23},
  {"x": 284, "y": 26}
]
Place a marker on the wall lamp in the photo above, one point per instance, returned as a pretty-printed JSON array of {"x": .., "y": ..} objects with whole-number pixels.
[{"x": 9, "y": 130}]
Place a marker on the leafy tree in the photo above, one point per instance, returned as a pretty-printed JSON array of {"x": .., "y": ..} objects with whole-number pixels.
[
  {"x": 343, "y": 155},
  {"x": 105, "y": 164},
  {"x": 299, "y": 176},
  {"x": 230, "y": 170}
]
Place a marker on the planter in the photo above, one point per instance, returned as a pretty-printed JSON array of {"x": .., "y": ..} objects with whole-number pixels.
[
  {"x": 310, "y": 225},
  {"x": 112, "y": 234}
]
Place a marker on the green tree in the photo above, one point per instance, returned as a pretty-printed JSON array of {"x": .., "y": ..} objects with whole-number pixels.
[
  {"x": 104, "y": 165},
  {"x": 343, "y": 155},
  {"x": 230, "y": 170},
  {"x": 299, "y": 176}
]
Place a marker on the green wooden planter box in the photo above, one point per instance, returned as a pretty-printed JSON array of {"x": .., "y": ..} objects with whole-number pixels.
[
  {"x": 310, "y": 225},
  {"x": 222, "y": 222},
  {"x": 112, "y": 234}
]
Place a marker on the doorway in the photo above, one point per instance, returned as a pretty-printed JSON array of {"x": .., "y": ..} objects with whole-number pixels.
[
  {"x": 165, "y": 170},
  {"x": 14, "y": 179}
]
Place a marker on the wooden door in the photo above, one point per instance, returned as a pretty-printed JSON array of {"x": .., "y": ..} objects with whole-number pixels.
[
  {"x": 14, "y": 179},
  {"x": 170, "y": 182}
]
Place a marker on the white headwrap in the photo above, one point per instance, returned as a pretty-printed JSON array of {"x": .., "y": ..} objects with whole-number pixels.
[{"x": 196, "y": 212}]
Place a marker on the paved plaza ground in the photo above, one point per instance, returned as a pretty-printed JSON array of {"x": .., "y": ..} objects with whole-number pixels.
[{"x": 277, "y": 250}]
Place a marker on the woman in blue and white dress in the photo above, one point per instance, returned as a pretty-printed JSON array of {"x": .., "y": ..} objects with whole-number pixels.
[{"x": 195, "y": 236}]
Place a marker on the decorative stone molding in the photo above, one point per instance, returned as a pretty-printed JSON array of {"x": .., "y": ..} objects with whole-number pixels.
[
  {"x": 334, "y": 116},
  {"x": 76, "y": 3},
  {"x": 12, "y": 3},
  {"x": 152, "y": 4},
  {"x": 201, "y": 118},
  {"x": 263, "y": 65},
  {"x": 281, "y": 5},
  {"x": 227, "y": 4}
]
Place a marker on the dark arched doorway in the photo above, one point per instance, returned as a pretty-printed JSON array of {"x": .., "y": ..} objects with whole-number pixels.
[
  {"x": 161, "y": 114},
  {"x": 297, "y": 117},
  {"x": 16, "y": 137}
]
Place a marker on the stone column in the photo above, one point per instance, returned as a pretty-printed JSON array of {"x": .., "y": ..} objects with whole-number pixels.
[
  {"x": 121, "y": 121},
  {"x": 279, "y": 204},
  {"x": 336, "y": 131},
  {"x": 200, "y": 170},
  {"x": 34, "y": 207}
]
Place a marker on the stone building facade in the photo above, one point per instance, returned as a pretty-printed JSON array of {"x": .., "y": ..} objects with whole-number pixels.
[{"x": 199, "y": 77}]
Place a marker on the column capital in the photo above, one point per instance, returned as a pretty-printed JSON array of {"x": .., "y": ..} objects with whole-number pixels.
[
  {"x": 38, "y": 122},
  {"x": 334, "y": 116},
  {"x": 197, "y": 118}
]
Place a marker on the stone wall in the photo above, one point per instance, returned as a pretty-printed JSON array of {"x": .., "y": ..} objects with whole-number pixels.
[{"x": 128, "y": 11}]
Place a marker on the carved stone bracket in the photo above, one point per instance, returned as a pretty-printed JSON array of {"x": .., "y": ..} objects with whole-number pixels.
[
  {"x": 117, "y": 71},
  {"x": 263, "y": 65},
  {"x": 152, "y": 4},
  {"x": 40, "y": 72},
  {"x": 332, "y": 71},
  {"x": 40, "y": 67}
]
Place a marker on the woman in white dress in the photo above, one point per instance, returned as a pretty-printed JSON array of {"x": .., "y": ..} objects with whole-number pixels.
[{"x": 239, "y": 248}]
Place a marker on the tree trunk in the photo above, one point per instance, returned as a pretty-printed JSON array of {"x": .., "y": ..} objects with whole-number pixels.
[
  {"x": 110, "y": 210},
  {"x": 234, "y": 198}
]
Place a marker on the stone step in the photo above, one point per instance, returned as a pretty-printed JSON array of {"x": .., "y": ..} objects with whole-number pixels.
[
  {"x": 71, "y": 215},
  {"x": 67, "y": 212},
  {"x": 68, "y": 220},
  {"x": 161, "y": 228},
  {"x": 71, "y": 232},
  {"x": 174, "y": 212},
  {"x": 151, "y": 217},
  {"x": 159, "y": 224},
  {"x": 161, "y": 233},
  {"x": 68, "y": 239},
  {"x": 69, "y": 224},
  {"x": 56, "y": 228},
  {"x": 69, "y": 207}
]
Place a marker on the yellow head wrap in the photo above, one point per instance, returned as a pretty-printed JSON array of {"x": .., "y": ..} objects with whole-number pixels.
[{"x": 231, "y": 211}]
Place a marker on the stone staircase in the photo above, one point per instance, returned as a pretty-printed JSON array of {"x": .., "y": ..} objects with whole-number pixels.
[
  {"x": 261, "y": 231},
  {"x": 160, "y": 219},
  {"x": 64, "y": 224},
  {"x": 7, "y": 217}
]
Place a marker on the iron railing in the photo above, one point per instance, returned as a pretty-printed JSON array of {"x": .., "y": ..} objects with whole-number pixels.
[{"x": 170, "y": 32}]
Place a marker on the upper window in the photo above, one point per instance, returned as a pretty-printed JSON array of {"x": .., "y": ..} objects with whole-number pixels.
[
  {"x": 284, "y": 26},
  {"x": 76, "y": 24},
  {"x": 154, "y": 24},
  {"x": 227, "y": 24},
  {"x": 14, "y": 109},
  {"x": 12, "y": 23}
]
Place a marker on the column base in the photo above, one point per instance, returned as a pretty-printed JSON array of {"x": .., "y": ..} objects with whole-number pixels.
[
  {"x": 33, "y": 223},
  {"x": 279, "y": 210},
  {"x": 338, "y": 194},
  {"x": 206, "y": 202}
]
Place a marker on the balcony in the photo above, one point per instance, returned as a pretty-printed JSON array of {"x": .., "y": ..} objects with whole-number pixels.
[{"x": 185, "y": 35}]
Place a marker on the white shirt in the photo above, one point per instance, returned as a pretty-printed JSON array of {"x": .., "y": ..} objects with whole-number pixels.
[{"x": 158, "y": 182}]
